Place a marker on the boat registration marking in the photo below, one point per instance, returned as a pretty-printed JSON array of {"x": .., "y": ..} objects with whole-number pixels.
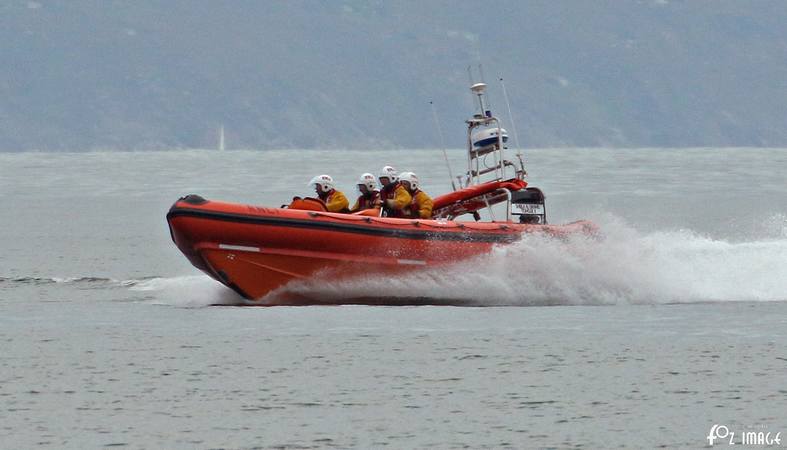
[
  {"x": 240, "y": 248},
  {"x": 415, "y": 262},
  {"x": 527, "y": 208}
]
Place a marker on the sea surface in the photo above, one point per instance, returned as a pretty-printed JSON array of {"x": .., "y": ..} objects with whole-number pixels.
[{"x": 672, "y": 322}]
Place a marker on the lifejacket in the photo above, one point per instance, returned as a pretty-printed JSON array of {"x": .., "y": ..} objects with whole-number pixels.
[
  {"x": 366, "y": 202},
  {"x": 400, "y": 197},
  {"x": 421, "y": 206}
]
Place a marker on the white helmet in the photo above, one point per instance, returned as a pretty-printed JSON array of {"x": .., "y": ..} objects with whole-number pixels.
[
  {"x": 325, "y": 182},
  {"x": 388, "y": 172},
  {"x": 368, "y": 180},
  {"x": 410, "y": 178}
]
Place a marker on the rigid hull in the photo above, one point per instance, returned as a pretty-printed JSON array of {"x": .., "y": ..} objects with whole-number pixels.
[{"x": 255, "y": 250}]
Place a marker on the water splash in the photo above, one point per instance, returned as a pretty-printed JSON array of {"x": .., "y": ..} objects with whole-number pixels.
[
  {"x": 186, "y": 291},
  {"x": 624, "y": 267}
]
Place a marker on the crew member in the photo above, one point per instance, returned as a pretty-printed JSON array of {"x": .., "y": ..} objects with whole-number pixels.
[
  {"x": 421, "y": 205},
  {"x": 367, "y": 186},
  {"x": 335, "y": 201},
  {"x": 394, "y": 198}
]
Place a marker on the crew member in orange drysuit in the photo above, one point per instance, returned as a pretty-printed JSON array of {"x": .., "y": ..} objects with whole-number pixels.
[
  {"x": 421, "y": 205},
  {"x": 394, "y": 198},
  {"x": 367, "y": 186},
  {"x": 335, "y": 201}
]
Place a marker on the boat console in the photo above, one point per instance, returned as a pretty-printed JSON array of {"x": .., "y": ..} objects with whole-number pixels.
[
  {"x": 491, "y": 177},
  {"x": 527, "y": 206}
]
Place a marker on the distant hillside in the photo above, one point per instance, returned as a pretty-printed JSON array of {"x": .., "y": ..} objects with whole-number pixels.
[{"x": 84, "y": 74}]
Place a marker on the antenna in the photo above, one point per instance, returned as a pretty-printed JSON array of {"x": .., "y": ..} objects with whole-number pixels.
[
  {"x": 483, "y": 80},
  {"x": 442, "y": 144},
  {"x": 478, "y": 89},
  {"x": 511, "y": 118}
]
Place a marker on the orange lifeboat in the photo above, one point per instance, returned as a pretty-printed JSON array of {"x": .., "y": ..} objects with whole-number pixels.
[{"x": 255, "y": 250}]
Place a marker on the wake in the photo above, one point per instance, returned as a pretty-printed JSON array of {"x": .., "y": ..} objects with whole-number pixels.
[
  {"x": 187, "y": 291},
  {"x": 625, "y": 266}
]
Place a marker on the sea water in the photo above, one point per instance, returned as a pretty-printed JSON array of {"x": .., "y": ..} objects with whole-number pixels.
[{"x": 672, "y": 322}]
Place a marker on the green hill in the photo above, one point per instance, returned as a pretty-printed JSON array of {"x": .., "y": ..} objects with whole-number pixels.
[{"x": 82, "y": 74}]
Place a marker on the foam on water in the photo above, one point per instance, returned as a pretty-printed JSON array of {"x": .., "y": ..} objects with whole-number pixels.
[
  {"x": 624, "y": 267},
  {"x": 187, "y": 291}
]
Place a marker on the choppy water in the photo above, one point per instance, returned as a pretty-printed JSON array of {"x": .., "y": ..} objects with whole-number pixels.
[{"x": 673, "y": 322}]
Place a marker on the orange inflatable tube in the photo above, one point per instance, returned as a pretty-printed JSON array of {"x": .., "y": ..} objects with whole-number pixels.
[{"x": 476, "y": 197}]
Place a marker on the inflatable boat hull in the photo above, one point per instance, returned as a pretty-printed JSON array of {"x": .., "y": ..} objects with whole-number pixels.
[{"x": 257, "y": 250}]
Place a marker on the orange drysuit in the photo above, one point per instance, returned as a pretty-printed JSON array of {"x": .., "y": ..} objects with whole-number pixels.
[
  {"x": 335, "y": 201},
  {"x": 421, "y": 206},
  {"x": 395, "y": 199}
]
